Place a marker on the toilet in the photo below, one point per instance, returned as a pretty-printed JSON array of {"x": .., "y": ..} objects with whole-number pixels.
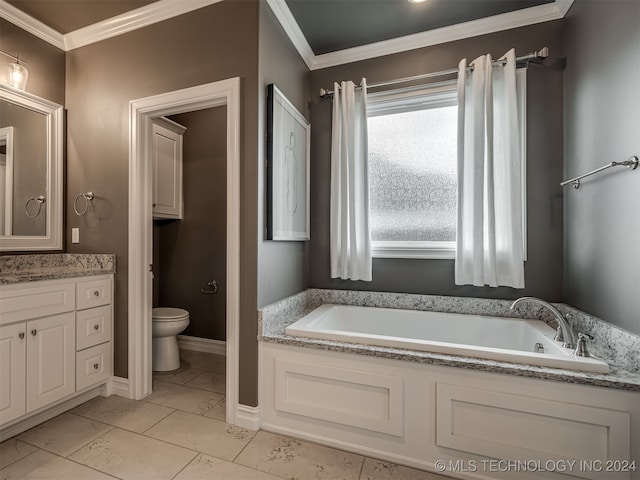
[{"x": 166, "y": 324}]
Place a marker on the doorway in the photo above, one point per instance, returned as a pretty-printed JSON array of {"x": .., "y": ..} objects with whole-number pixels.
[{"x": 141, "y": 112}]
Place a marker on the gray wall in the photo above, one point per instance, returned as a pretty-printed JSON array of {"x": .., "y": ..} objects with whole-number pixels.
[
  {"x": 46, "y": 63},
  {"x": 601, "y": 101},
  {"x": 193, "y": 251},
  {"x": 282, "y": 269},
  {"x": 543, "y": 270},
  {"x": 206, "y": 45}
]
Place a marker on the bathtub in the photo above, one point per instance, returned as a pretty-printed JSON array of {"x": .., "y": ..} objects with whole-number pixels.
[{"x": 511, "y": 340}]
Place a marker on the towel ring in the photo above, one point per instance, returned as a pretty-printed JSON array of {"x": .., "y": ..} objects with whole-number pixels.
[
  {"x": 88, "y": 197},
  {"x": 40, "y": 200}
]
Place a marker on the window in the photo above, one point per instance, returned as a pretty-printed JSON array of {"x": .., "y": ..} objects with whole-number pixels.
[{"x": 413, "y": 170}]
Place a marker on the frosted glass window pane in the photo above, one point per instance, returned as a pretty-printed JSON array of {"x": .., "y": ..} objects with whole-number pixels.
[{"x": 412, "y": 175}]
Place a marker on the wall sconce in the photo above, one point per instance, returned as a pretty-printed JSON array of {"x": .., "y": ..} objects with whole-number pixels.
[{"x": 17, "y": 73}]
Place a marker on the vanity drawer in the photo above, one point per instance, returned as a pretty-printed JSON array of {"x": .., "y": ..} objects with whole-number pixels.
[
  {"x": 93, "y": 293},
  {"x": 93, "y": 366},
  {"x": 93, "y": 326},
  {"x": 23, "y": 302}
]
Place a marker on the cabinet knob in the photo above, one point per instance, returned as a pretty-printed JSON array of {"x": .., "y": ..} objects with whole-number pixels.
[
  {"x": 96, "y": 327},
  {"x": 34, "y": 332},
  {"x": 95, "y": 366},
  {"x": 21, "y": 335},
  {"x": 96, "y": 293}
]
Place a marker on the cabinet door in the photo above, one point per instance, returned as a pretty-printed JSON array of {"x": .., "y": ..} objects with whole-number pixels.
[
  {"x": 167, "y": 173},
  {"x": 12, "y": 371},
  {"x": 51, "y": 350}
]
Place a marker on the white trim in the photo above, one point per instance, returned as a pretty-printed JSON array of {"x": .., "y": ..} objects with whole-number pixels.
[
  {"x": 117, "y": 386},
  {"x": 141, "y": 112},
  {"x": 6, "y": 135},
  {"x": 139, "y": 18},
  {"x": 416, "y": 250},
  {"x": 165, "y": 9},
  {"x": 483, "y": 26},
  {"x": 292, "y": 29},
  {"x": 248, "y": 417},
  {"x": 48, "y": 413},
  {"x": 31, "y": 25},
  {"x": 52, "y": 240},
  {"x": 207, "y": 345}
]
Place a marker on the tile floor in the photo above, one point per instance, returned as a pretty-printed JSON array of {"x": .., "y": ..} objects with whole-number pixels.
[{"x": 178, "y": 432}]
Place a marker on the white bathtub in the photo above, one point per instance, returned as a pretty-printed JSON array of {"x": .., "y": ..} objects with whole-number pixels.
[{"x": 494, "y": 338}]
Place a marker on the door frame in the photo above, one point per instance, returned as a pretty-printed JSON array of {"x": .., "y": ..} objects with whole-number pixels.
[{"x": 140, "y": 288}]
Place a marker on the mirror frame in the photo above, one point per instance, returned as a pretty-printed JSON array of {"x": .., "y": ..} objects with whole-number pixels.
[{"x": 52, "y": 240}]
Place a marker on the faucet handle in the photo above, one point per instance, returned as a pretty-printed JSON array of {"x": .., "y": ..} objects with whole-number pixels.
[
  {"x": 581, "y": 347},
  {"x": 559, "y": 337}
]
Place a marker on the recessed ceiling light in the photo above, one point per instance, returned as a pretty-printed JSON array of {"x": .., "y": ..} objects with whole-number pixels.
[{"x": 417, "y": 1}]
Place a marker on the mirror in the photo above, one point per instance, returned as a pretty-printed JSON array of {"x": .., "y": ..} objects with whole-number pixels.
[{"x": 30, "y": 172}]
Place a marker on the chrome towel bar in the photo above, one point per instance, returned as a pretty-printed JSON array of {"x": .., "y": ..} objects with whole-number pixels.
[{"x": 631, "y": 163}]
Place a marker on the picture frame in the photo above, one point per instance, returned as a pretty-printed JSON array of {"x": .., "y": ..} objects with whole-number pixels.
[{"x": 288, "y": 153}]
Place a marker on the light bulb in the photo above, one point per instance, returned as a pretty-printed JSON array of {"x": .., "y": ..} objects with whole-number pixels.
[{"x": 18, "y": 76}]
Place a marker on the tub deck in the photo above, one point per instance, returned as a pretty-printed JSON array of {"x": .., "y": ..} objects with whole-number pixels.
[{"x": 493, "y": 338}]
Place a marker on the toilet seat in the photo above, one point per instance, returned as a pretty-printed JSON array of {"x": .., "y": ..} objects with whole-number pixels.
[{"x": 168, "y": 314}]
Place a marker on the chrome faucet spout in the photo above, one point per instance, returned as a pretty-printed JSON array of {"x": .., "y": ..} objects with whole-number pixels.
[{"x": 568, "y": 333}]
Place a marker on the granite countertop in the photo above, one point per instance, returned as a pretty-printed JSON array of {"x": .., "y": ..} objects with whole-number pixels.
[
  {"x": 31, "y": 268},
  {"x": 275, "y": 318}
]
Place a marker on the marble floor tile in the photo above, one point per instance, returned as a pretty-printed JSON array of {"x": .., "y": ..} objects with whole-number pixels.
[
  {"x": 65, "y": 433},
  {"x": 211, "y": 381},
  {"x": 131, "y": 456},
  {"x": 124, "y": 413},
  {"x": 205, "y": 435},
  {"x": 297, "y": 459},
  {"x": 181, "y": 397},
  {"x": 204, "y": 361},
  {"x": 180, "y": 376},
  {"x": 41, "y": 465},
  {"x": 218, "y": 411},
  {"x": 379, "y": 470},
  {"x": 13, "y": 450},
  {"x": 204, "y": 467}
]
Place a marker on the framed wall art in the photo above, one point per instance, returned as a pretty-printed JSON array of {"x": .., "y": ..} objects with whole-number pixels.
[{"x": 288, "y": 152}]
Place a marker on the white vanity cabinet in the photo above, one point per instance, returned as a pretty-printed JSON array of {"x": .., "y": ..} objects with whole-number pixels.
[
  {"x": 167, "y": 169},
  {"x": 55, "y": 341}
]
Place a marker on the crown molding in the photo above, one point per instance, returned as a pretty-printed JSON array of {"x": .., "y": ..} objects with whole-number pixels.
[
  {"x": 133, "y": 20},
  {"x": 291, "y": 28},
  {"x": 31, "y": 25},
  {"x": 111, "y": 27},
  {"x": 483, "y": 26},
  {"x": 165, "y": 9}
]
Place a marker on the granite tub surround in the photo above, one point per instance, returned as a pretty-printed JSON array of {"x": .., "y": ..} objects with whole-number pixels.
[
  {"x": 30, "y": 268},
  {"x": 610, "y": 343}
]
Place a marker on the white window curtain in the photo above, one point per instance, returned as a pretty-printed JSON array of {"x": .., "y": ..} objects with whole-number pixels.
[
  {"x": 350, "y": 235},
  {"x": 489, "y": 247}
]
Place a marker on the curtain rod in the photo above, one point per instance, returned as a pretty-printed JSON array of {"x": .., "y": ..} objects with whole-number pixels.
[{"x": 535, "y": 56}]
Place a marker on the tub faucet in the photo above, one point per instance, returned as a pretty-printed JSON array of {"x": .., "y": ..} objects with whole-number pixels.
[{"x": 568, "y": 333}]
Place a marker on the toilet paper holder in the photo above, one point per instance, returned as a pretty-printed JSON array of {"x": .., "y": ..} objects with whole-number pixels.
[{"x": 213, "y": 285}]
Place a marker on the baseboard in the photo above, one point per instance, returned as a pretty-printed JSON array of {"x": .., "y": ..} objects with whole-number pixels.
[
  {"x": 118, "y": 386},
  {"x": 248, "y": 417},
  {"x": 197, "y": 344},
  {"x": 49, "y": 413}
]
